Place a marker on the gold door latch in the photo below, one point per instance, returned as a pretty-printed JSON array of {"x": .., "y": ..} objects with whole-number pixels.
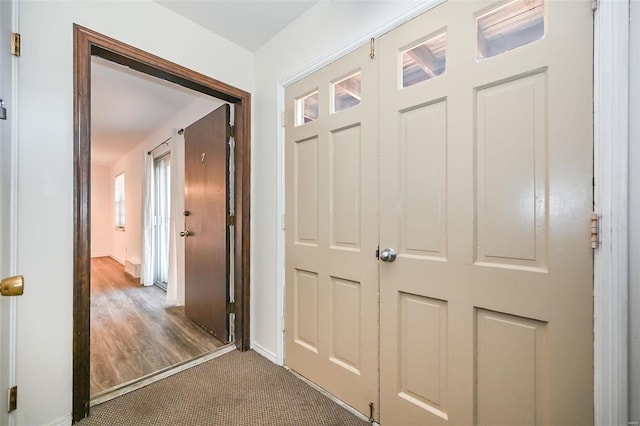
[{"x": 12, "y": 286}]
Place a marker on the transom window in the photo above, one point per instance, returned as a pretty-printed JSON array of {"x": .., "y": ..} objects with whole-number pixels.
[
  {"x": 426, "y": 60},
  {"x": 347, "y": 92},
  {"x": 306, "y": 108},
  {"x": 511, "y": 25}
]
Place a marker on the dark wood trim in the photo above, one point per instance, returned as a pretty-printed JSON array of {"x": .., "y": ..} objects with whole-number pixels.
[
  {"x": 81, "y": 223},
  {"x": 87, "y": 43},
  {"x": 242, "y": 241}
]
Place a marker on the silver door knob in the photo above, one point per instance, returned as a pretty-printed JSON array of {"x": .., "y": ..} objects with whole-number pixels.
[{"x": 388, "y": 255}]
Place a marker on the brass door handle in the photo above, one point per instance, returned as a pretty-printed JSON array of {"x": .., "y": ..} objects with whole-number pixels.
[
  {"x": 185, "y": 233},
  {"x": 12, "y": 286}
]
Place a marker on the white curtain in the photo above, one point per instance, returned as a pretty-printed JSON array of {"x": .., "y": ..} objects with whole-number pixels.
[
  {"x": 162, "y": 175},
  {"x": 148, "y": 267},
  {"x": 175, "y": 285}
]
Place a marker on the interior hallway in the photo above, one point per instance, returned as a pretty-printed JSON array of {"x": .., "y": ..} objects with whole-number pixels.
[{"x": 133, "y": 331}]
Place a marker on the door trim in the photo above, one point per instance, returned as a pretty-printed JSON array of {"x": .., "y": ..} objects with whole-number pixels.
[
  {"x": 12, "y": 103},
  {"x": 86, "y": 44},
  {"x": 611, "y": 176}
]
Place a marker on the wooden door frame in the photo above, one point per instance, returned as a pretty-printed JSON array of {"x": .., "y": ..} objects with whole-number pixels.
[{"x": 85, "y": 44}]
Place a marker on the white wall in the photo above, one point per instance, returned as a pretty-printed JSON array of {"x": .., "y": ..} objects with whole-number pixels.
[
  {"x": 101, "y": 211},
  {"x": 45, "y": 230},
  {"x": 634, "y": 217},
  {"x": 323, "y": 29}
]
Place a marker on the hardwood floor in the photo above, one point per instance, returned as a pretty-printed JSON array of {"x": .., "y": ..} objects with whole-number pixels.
[{"x": 133, "y": 331}]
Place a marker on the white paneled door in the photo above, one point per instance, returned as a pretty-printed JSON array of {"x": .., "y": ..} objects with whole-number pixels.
[
  {"x": 332, "y": 229},
  {"x": 484, "y": 180}
]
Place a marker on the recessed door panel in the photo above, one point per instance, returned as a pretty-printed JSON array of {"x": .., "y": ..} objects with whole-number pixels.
[
  {"x": 423, "y": 168},
  {"x": 511, "y": 166},
  {"x": 422, "y": 354},
  {"x": 306, "y": 191},
  {"x": 306, "y": 309},
  {"x": 345, "y": 324},
  {"x": 511, "y": 370},
  {"x": 345, "y": 187}
]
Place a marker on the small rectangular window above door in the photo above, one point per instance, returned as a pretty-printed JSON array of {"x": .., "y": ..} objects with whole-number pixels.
[
  {"x": 424, "y": 60},
  {"x": 307, "y": 108},
  {"x": 509, "y": 26},
  {"x": 346, "y": 92},
  {"x": 119, "y": 201}
]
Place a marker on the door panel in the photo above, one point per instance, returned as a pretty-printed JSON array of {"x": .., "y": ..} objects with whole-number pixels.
[
  {"x": 511, "y": 142},
  {"x": 485, "y": 192},
  {"x": 207, "y": 204},
  {"x": 332, "y": 230}
]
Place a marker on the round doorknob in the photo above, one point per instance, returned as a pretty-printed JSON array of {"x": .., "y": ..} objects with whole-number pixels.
[
  {"x": 388, "y": 255},
  {"x": 185, "y": 233}
]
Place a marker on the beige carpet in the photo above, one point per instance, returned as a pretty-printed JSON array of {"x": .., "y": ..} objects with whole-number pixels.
[{"x": 234, "y": 389}]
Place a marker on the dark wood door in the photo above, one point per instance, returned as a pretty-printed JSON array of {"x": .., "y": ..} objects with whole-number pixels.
[{"x": 207, "y": 204}]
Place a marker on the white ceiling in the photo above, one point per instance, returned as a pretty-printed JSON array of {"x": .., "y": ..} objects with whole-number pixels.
[
  {"x": 248, "y": 23},
  {"x": 127, "y": 106}
]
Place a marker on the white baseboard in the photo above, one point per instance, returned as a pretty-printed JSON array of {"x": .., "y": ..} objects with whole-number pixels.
[
  {"x": 65, "y": 421},
  {"x": 100, "y": 255},
  {"x": 117, "y": 259},
  {"x": 264, "y": 352}
]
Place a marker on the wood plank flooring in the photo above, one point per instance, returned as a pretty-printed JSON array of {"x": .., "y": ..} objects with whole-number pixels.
[{"x": 133, "y": 331}]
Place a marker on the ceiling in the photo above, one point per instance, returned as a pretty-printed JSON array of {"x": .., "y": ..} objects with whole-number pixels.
[
  {"x": 247, "y": 23},
  {"x": 128, "y": 106}
]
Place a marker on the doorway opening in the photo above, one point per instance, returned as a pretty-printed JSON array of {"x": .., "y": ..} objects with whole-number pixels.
[
  {"x": 141, "y": 323},
  {"x": 89, "y": 44}
]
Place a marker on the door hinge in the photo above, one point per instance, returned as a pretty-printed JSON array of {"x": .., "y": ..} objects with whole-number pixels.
[
  {"x": 231, "y": 220},
  {"x": 371, "y": 419},
  {"x": 15, "y": 44},
  {"x": 13, "y": 399},
  {"x": 594, "y": 5},
  {"x": 231, "y": 308},
  {"x": 372, "y": 53},
  {"x": 283, "y": 119},
  {"x": 231, "y": 131},
  {"x": 595, "y": 230}
]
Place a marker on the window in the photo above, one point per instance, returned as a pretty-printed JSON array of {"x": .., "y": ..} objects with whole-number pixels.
[
  {"x": 119, "y": 201},
  {"x": 426, "y": 60},
  {"x": 307, "y": 109},
  {"x": 511, "y": 25},
  {"x": 346, "y": 92}
]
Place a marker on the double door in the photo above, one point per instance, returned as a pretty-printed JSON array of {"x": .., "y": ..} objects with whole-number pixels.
[{"x": 438, "y": 201}]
